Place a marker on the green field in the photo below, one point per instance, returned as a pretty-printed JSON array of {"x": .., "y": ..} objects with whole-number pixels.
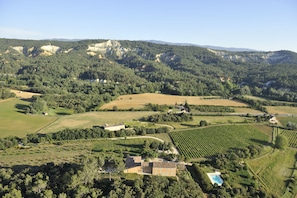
[
  {"x": 90, "y": 119},
  {"x": 68, "y": 151},
  {"x": 274, "y": 169},
  {"x": 284, "y": 120},
  {"x": 211, "y": 120},
  {"x": 205, "y": 142},
  {"x": 15, "y": 123}
]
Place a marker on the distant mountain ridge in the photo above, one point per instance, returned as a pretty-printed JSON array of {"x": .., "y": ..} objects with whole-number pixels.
[
  {"x": 231, "y": 49},
  {"x": 109, "y": 47}
]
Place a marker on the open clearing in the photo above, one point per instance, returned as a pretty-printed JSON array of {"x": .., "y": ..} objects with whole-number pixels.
[
  {"x": 15, "y": 123},
  {"x": 137, "y": 101},
  {"x": 90, "y": 119},
  {"x": 275, "y": 169},
  {"x": 23, "y": 94}
]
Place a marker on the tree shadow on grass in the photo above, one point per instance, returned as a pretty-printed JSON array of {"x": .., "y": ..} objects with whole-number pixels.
[
  {"x": 21, "y": 108},
  {"x": 63, "y": 113},
  {"x": 261, "y": 142}
]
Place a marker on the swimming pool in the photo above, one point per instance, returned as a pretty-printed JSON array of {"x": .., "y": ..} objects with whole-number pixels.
[{"x": 215, "y": 178}]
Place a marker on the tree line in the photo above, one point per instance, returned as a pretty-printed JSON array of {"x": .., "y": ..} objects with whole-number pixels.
[{"x": 75, "y": 134}]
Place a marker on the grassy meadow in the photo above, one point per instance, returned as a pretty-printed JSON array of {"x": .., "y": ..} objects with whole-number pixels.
[
  {"x": 274, "y": 169},
  {"x": 282, "y": 110},
  {"x": 14, "y": 122},
  {"x": 90, "y": 119},
  {"x": 68, "y": 151},
  {"x": 285, "y": 120},
  {"x": 138, "y": 101}
]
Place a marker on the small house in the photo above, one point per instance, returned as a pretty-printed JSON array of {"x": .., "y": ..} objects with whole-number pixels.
[{"x": 114, "y": 127}]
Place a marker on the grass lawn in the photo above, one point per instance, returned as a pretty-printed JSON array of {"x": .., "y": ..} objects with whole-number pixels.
[
  {"x": 90, "y": 119},
  {"x": 137, "y": 101},
  {"x": 15, "y": 123},
  {"x": 163, "y": 136},
  {"x": 274, "y": 169}
]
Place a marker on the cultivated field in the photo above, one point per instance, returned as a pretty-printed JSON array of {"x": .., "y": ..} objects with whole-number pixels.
[
  {"x": 90, "y": 119},
  {"x": 274, "y": 169},
  {"x": 138, "y": 101},
  {"x": 211, "y": 120},
  {"x": 282, "y": 110},
  {"x": 292, "y": 137},
  {"x": 15, "y": 123},
  {"x": 70, "y": 151},
  {"x": 205, "y": 142},
  {"x": 247, "y": 110}
]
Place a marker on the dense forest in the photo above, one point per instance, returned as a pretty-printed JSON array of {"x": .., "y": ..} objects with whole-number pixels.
[{"x": 83, "y": 75}]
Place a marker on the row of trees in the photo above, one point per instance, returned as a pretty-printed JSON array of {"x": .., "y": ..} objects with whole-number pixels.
[
  {"x": 6, "y": 93},
  {"x": 75, "y": 134},
  {"x": 168, "y": 117}
]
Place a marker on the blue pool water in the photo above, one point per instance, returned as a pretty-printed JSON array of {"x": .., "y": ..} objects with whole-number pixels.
[{"x": 216, "y": 179}]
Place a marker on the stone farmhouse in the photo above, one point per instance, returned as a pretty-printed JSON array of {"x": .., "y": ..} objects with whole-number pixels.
[{"x": 134, "y": 164}]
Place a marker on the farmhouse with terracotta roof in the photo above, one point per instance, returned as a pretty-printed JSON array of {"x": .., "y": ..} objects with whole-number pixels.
[{"x": 134, "y": 164}]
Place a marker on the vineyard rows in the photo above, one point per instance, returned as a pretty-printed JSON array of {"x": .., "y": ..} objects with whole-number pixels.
[
  {"x": 209, "y": 141},
  {"x": 292, "y": 137}
]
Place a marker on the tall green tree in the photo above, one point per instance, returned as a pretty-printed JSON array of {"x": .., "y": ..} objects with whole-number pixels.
[{"x": 281, "y": 142}]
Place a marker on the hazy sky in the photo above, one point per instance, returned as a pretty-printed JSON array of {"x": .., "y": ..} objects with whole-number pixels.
[{"x": 256, "y": 24}]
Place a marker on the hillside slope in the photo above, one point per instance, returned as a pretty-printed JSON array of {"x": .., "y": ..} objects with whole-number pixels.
[{"x": 125, "y": 67}]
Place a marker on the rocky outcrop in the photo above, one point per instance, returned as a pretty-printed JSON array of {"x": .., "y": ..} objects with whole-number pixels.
[
  {"x": 267, "y": 57},
  {"x": 49, "y": 50},
  {"x": 108, "y": 48},
  {"x": 168, "y": 58}
]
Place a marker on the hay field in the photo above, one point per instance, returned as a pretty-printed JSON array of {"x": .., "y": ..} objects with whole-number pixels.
[
  {"x": 281, "y": 110},
  {"x": 15, "y": 123},
  {"x": 90, "y": 119},
  {"x": 137, "y": 101}
]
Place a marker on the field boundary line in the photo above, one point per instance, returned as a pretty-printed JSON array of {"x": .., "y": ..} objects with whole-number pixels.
[{"x": 46, "y": 125}]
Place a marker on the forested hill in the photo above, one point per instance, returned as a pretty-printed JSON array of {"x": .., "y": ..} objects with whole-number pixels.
[{"x": 119, "y": 67}]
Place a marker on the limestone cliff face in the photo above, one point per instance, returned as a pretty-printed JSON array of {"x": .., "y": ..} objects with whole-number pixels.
[
  {"x": 49, "y": 50},
  {"x": 108, "y": 48},
  {"x": 113, "y": 49},
  {"x": 267, "y": 57}
]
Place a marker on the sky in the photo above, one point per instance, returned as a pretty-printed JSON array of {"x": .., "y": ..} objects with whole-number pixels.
[{"x": 267, "y": 25}]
